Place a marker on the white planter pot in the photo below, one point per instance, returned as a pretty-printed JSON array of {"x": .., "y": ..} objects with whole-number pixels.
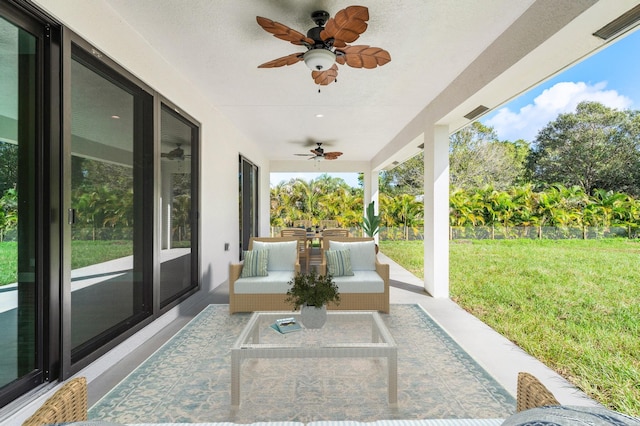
[{"x": 313, "y": 317}]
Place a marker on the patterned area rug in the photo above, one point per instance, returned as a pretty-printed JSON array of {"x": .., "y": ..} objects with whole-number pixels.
[{"x": 188, "y": 380}]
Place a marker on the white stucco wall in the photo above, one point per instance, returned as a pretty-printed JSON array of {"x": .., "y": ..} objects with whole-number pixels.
[{"x": 221, "y": 142}]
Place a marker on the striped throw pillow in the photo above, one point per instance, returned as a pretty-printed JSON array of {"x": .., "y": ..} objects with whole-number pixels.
[
  {"x": 255, "y": 263},
  {"x": 339, "y": 262}
]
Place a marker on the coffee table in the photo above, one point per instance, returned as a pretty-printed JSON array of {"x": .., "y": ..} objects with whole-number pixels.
[{"x": 346, "y": 334}]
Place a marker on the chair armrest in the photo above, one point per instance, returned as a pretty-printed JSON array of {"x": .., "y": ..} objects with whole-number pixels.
[
  {"x": 383, "y": 270},
  {"x": 235, "y": 269},
  {"x": 322, "y": 267}
]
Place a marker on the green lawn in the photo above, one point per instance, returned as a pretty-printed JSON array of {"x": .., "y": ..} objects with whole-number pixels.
[
  {"x": 85, "y": 253},
  {"x": 573, "y": 304}
]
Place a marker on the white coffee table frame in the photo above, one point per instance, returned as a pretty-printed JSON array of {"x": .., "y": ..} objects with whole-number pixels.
[{"x": 248, "y": 346}]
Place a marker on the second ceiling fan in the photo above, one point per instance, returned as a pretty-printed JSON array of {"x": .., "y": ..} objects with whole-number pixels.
[
  {"x": 319, "y": 153},
  {"x": 327, "y": 44}
]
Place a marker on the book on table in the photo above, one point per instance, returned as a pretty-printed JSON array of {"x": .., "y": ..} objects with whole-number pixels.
[{"x": 287, "y": 325}]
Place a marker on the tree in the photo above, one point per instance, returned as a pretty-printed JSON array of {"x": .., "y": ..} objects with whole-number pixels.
[
  {"x": 477, "y": 158},
  {"x": 595, "y": 147},
  {"x": 406, "y": 178}
]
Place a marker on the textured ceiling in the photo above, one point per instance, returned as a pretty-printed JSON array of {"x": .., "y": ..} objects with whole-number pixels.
[{"x": 218, "y": 45}]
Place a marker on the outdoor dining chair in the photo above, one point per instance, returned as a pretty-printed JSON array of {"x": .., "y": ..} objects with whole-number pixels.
[
  {"x": 324, "y": 224},
  {"x": 302, "y": 223},
  {"x": 334, "y": 232},
  {"x": 303, "y": 248}
]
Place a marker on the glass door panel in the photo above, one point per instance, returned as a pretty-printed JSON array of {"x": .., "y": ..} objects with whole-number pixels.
[
  {"x": 106, "y": 272},
  {"x": 177, "y": 159},
  {"x": 19, "y": 293}
]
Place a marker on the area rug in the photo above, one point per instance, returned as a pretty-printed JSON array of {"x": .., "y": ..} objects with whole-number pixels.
[{"x": 188, "y": 380}]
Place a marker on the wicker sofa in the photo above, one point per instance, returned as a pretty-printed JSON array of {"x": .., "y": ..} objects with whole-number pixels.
[{"x": 250, "y": 296}]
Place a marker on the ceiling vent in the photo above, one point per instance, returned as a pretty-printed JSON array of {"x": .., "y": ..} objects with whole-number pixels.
[
  {"x": 476, "y": 112},
  {"x": 621, "y": 23}
]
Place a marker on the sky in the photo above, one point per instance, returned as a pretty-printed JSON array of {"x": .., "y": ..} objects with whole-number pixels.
[{"x": 611, "y": 77}]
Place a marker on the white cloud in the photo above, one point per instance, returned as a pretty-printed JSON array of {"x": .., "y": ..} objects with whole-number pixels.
[{"x": 559, "y": 99}]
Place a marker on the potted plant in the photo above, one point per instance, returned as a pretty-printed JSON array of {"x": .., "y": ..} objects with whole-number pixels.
[
  {"x": 311, "y": 292},
  {"x": 371, "y": 222}
]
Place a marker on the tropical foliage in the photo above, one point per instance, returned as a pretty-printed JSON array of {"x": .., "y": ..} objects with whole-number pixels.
[
  {"x": 331, "y": 198},
  {"x": 557, "y": 206}
]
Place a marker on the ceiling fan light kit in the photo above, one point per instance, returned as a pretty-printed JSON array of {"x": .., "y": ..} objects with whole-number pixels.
[{"x": 319, "y": 59}]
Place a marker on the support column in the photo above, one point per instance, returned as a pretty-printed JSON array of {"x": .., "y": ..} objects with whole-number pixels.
[{"x": 436, "y": 211}]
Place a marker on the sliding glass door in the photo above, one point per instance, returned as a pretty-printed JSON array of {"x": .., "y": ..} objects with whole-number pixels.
[
  {"x": 179, "y": 202},
  {"x": 21, "y": 290},
  {"x": 248, "y": 191},
  {"x": 108, "y": 204}
]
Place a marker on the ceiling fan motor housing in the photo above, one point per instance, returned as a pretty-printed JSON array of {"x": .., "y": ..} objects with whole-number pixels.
[{"x": 320, "y": 17}]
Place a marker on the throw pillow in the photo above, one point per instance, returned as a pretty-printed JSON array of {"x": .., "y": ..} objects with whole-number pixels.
[
  {"x": 339, "y": 262},
  {"x": 282, "y": 255},
  {"x": 255, "y": 263},
  {"x": 363, "y": 253}
]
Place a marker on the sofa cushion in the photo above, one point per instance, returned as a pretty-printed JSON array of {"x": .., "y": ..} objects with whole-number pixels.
[
  {"x": 363, "y": 253},
  {"x": 255, "y": 263},
  {"x": 282, "y": 255},
  {"x": 277, "y": 282},
  {"x": 339, "y": 262},
  {"x": 360, "y": 282}
]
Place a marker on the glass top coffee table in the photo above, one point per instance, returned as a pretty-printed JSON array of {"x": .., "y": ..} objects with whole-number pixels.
[{"x": 346, "y": 334}]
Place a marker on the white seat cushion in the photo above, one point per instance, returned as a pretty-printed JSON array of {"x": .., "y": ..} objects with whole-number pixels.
[
  {"x": 277, "y": 282},
  {"x": 360, "y": 282}
]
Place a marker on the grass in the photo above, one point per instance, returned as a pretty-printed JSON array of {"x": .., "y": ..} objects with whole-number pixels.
[
  {"x": 572, "y": 304},
  {"x": 85, "y": 253}
]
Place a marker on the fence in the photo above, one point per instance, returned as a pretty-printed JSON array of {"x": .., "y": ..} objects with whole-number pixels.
[
  {"x": 541, "y": 232},
  {"x": 503, "y": 233}
]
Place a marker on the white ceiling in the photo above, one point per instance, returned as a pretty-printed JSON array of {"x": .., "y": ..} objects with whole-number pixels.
[{"x": 447, "y": 57}]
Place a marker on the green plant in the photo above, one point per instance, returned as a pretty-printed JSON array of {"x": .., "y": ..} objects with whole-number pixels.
[
  {"x": 371, "y": 222},
  {"x": 312, "y": 289}
]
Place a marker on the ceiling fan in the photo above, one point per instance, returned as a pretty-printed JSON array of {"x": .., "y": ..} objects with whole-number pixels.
[
  {"x": 175, "y": 154},
  {"x": 318, "y": 153},
  {"x": 327, "y": 44}
]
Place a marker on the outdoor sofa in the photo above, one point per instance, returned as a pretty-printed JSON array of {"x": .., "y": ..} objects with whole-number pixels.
[{"x": 366, "y": 289}]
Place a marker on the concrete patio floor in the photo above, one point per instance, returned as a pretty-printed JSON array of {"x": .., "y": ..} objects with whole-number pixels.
[{"x": 496, "y": 354}]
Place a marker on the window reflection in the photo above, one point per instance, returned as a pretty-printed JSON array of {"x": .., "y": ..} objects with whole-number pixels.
[{"x": 176, "y": 159}]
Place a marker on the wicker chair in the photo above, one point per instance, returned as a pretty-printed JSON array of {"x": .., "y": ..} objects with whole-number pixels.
[
  {"x": 532, "y": 393},
  {"x": 67, "y": 404}
]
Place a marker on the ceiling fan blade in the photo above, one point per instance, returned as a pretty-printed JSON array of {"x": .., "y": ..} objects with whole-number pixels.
[
  {"x": 332, "y": 155},
  {"x": 346, "y": 26},
  {"x": 283, "y": 32},
  {"x": 304, "y": 155},
  {"x": 325, "y": 77},
  {"x": 364, "y": 56},
  {"x": 285, "y": 60}
]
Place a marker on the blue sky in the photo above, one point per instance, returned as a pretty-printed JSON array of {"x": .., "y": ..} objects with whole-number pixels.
[{"x": 611, "y": 77}]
